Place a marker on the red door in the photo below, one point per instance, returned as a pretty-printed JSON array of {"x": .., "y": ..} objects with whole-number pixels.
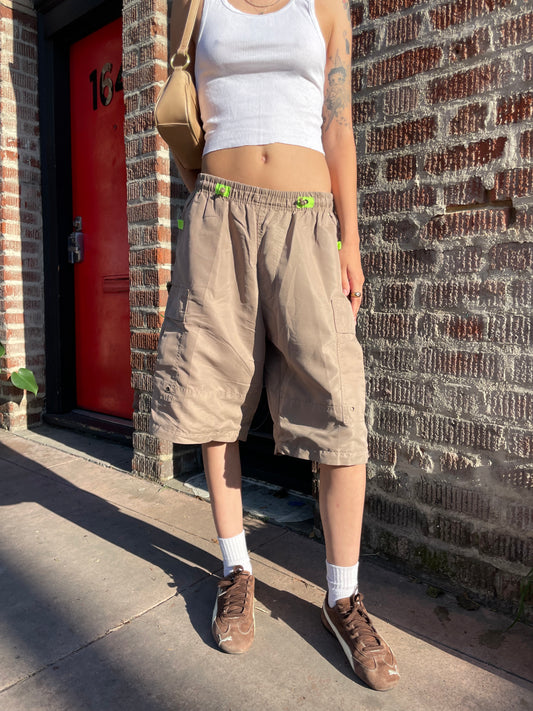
[{"x": 99, "y": 198}]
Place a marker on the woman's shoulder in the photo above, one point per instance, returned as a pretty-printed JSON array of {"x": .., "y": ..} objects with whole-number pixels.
[{"x": 330, "y": 13}]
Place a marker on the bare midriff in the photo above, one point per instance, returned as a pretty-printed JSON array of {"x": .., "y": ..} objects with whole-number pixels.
[{"x": 276, "y": 166}]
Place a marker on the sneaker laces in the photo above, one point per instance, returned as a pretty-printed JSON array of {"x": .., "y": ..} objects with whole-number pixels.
[
  {"x": 234, "y": 592},
  {"x": 358, "y": 624}
]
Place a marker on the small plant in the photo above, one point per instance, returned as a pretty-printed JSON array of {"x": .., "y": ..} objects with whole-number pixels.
[
  {"x": 23, "y": 378},
  {"x": 526, "y": 585}
]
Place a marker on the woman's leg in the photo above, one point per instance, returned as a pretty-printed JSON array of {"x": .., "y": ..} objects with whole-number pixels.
[
  {"x": 233, "y": 623},
  {"x": 222, "y": 466},
  {"x": 342, "y": 494},
  {"x": 342, "y": 499}
]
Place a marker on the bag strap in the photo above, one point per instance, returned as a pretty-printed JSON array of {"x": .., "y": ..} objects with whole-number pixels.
[{"x": 183, "y": 48}]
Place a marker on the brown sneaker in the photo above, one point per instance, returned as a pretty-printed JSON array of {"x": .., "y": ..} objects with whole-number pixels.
[
  {"x": 233, "y": 617},
  {"x": 370, "y": 656}
]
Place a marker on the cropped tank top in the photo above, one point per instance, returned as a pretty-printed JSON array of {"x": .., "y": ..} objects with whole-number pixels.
[{"x": 260, "y": 78}]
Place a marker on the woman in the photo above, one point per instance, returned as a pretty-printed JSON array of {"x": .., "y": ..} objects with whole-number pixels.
[{"x": 262, "y": 286}]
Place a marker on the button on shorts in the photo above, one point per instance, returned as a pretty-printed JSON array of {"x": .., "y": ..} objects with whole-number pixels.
[{"x": 256, "y": 297}]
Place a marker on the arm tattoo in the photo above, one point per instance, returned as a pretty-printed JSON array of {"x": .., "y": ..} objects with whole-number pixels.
[
  {"x": 337, "y": 94},
  {"x": 346, "y": 5},
  {"x": 345, "y": 35}
]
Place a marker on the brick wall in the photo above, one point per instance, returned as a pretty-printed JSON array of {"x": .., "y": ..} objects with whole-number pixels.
[
  {"x": 155, "y": 195},
  {"x": 21, "y": 263},
  {"x": 442, "y": 100}
]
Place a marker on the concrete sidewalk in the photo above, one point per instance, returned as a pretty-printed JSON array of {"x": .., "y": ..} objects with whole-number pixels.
[{"x": 106, "y": 589}]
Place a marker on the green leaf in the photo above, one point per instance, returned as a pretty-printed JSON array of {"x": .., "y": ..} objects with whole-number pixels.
[
  {"x": 2, "y": 350},
  {"x": 25, "y": 380}
]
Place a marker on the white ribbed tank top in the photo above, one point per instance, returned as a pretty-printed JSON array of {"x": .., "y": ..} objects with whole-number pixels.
[{"x": 260, "y": 78}]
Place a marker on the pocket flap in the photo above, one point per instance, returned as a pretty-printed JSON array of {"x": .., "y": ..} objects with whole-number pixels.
[
  {"x": 343, "y": 315},
  {"x": 178, "y": 300}
]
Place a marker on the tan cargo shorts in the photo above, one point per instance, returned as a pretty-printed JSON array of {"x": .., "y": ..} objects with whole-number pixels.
[{"x": 256, "y": 296}]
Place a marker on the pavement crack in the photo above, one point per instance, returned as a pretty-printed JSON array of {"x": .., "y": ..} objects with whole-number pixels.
[{"x": 81, "y": 648}]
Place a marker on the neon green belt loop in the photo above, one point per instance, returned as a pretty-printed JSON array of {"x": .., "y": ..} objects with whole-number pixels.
[
  {"x": 339, "y": 245},
  {"x": 180, "y": 224},
  {"x": 305, "y": 201},
  {"x": 221, "y": 189}
]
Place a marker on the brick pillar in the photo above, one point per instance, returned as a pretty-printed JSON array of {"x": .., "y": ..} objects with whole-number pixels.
[
  {"x": 21, "y": 262},
  {"x": 441, "y": 101},
  {"x": 155, "y": 196}
]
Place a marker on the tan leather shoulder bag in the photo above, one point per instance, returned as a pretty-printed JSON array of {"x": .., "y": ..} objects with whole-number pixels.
[{"x": 177, "y": 114}]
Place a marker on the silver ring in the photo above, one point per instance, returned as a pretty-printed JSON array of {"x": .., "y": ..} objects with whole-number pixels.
[{"x": 357, "y": 294}]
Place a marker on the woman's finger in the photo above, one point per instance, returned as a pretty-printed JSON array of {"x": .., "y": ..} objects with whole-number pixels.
[
  {"x": 356, "y": 302},
  {"x": 345, "y": 283}
]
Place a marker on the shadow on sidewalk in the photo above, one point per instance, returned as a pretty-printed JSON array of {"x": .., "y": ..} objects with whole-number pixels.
[{"x": 23, "y": 480}]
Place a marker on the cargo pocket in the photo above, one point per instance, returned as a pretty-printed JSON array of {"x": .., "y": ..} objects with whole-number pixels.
[
  {"x": 178, "y": 300},
  {"x": 349, "y": 359},
  {"x": 171, "y": 343}
]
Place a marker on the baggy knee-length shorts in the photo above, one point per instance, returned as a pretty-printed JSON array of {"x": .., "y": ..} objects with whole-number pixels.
[{"x": 256, "y": 296}]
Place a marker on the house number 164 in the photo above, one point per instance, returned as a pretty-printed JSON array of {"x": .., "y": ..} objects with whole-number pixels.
[{"x": 105, "y": 89}]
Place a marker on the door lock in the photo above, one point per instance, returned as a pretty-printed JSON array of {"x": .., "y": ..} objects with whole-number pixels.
[{"x": 75, "y": 243}]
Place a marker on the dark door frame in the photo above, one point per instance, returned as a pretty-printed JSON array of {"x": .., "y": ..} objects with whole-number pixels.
[{"x": 60, "y": 24}]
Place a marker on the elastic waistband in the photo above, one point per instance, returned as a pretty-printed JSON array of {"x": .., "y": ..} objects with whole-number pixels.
[{"x": 241, "y": 192}]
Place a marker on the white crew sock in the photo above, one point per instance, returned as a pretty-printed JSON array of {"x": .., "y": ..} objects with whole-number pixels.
[
  {"x": 235, "y": 552},
  {"x": 342, "y": 581}
]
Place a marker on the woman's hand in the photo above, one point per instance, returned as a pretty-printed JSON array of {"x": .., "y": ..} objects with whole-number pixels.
[{"x": 352, "y": 275}]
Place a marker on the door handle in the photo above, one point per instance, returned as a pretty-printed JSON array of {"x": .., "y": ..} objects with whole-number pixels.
[{"x": 75, "y": 247}]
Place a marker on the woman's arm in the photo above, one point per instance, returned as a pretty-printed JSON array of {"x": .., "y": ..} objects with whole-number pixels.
[
  {"x": 339, "y": 146},
  {"x": 179, "y": 13},
  {"x": 188, "y": 176}
]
